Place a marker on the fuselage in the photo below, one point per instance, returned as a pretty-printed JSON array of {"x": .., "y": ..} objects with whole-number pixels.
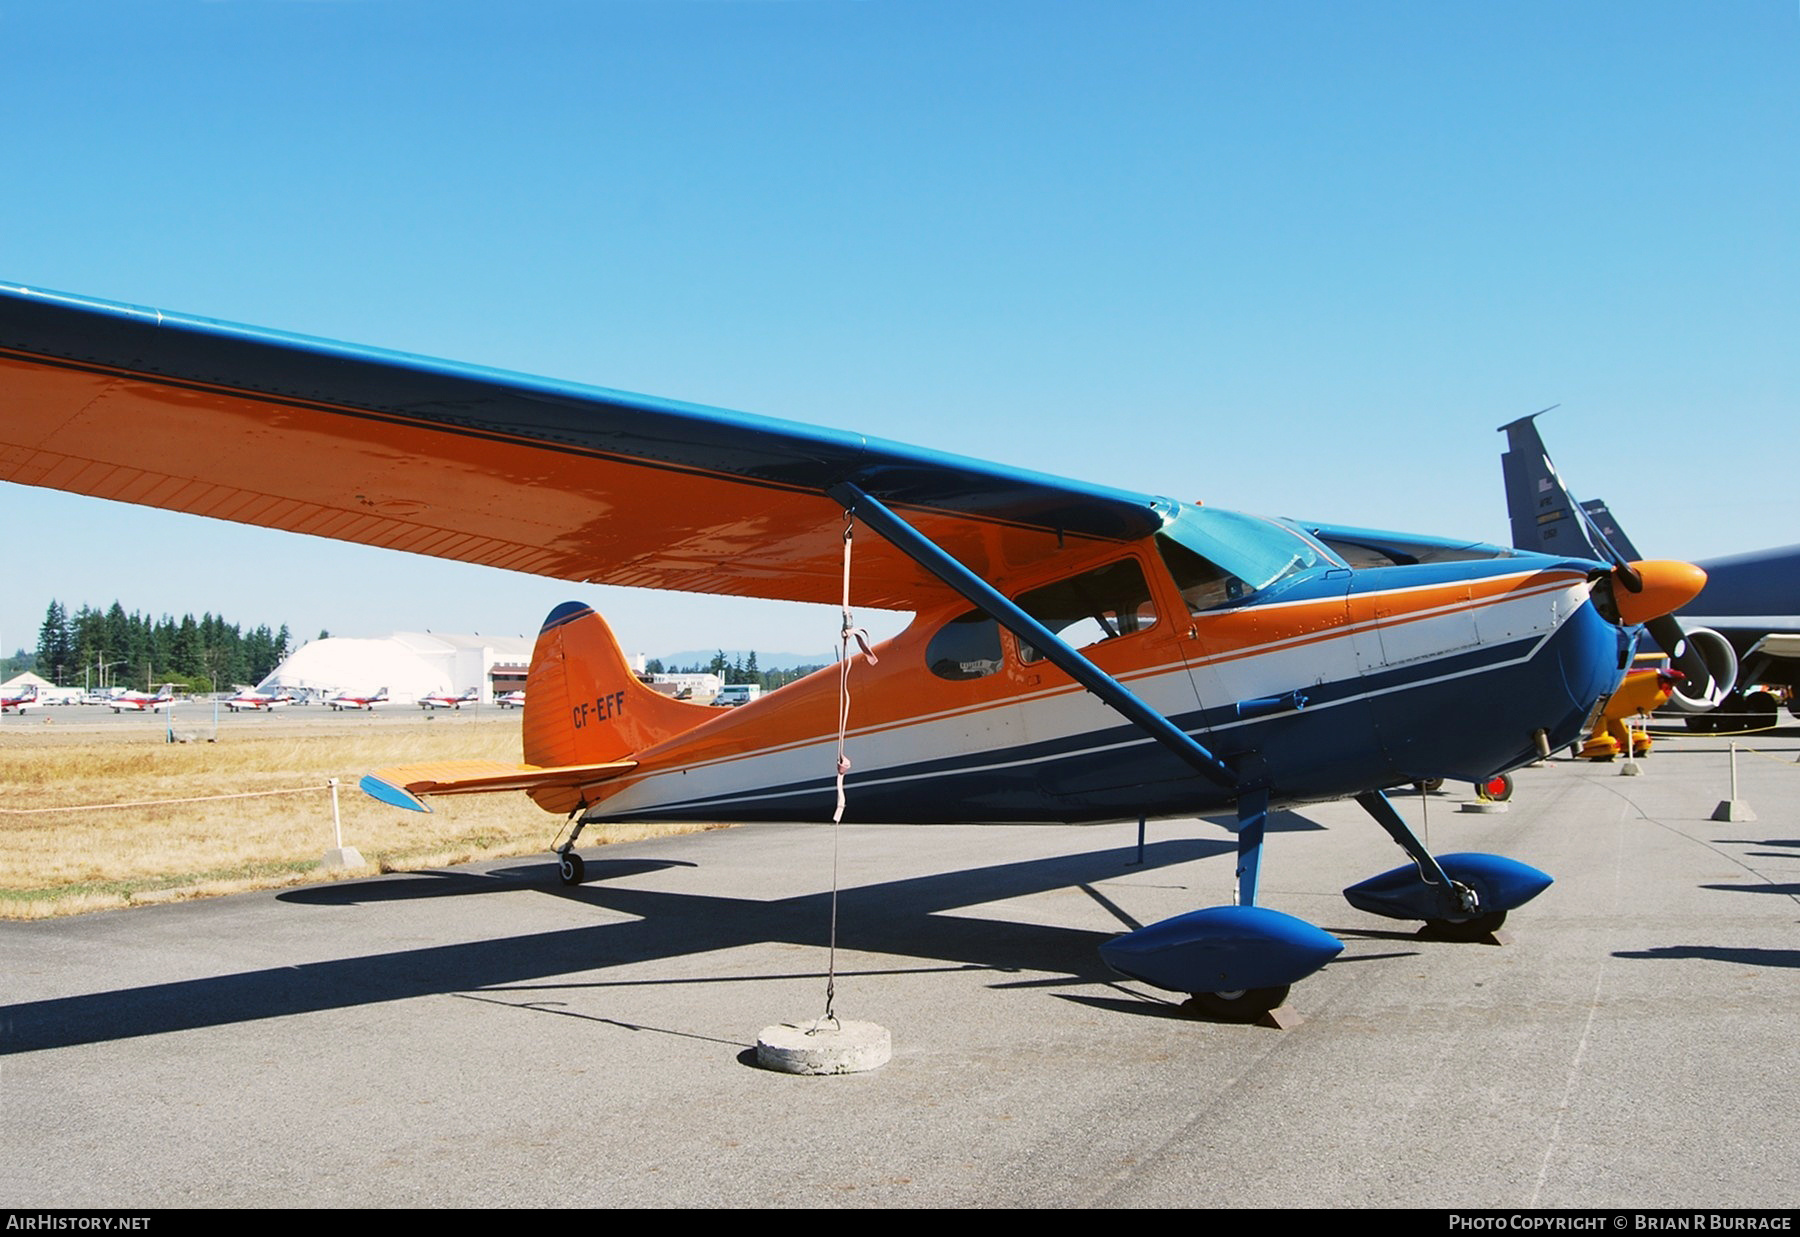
[{"x": 1321, "y": 682}]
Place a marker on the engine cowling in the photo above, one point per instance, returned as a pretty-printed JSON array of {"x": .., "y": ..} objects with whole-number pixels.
[{"x": 1699, "y": 692}]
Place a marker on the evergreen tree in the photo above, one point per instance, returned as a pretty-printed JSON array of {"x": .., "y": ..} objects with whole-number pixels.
[
  {"x": 188, "y": 654},
  {"x": 55, "y": 651}
]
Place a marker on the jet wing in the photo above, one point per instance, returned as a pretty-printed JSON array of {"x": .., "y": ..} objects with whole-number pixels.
[{"x": 485, "y": 466}]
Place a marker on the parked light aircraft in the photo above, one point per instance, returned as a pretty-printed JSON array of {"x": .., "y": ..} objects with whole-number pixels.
[
  {"x": 350, "y": 700},
  {"x": 444, "y": 700},
  {"x": 144, "y": 702},
  {"x": 256, "y": 701},
  {"x": 1740, "y": 636},
  {"x": 21, "y": 700},
  {"x": 1077, "y": 653}
]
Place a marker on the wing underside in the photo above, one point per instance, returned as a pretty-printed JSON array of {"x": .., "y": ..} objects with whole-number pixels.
[{"x": 482, "y": 466}]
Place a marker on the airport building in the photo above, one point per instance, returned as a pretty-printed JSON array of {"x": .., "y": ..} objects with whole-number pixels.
[{"x": 410, "y": 664}]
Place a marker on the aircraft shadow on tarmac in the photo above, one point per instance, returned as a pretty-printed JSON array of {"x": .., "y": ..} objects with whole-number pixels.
[
  {"x": 1789, "y": 958},
  {"x": 458, "y": 883},
  {"x": 898, "y": 918}
]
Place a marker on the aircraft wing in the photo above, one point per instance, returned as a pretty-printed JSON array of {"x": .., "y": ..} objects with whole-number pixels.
[{"x": 485, "y": 466}]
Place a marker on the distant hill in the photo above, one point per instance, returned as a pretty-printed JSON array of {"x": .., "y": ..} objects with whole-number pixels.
[{"x": 764, "y": 661}]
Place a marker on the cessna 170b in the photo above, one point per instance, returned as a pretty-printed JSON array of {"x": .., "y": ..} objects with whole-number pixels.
[{"x": 1077, "y": 653}]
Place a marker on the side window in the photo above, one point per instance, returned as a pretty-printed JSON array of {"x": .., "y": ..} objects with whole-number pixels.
[
  {"x": 1103, "y": 604},
  {"x": 967, "y": 647},
  {"x": 1203, "y": 585}
]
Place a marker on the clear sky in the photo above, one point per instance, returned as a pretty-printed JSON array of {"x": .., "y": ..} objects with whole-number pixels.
[{"x": 1299, "y": 258}]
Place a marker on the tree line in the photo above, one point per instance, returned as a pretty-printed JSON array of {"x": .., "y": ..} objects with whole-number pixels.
[
  {"x": 109, "y": 647},
  {"x": 735, "y": 670}
]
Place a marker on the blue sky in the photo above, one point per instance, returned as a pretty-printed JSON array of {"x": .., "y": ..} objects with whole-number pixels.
[{"x": 1297, "y": 258}]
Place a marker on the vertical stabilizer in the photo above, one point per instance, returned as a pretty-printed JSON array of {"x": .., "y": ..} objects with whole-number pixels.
[
  {"x": 583, "y": 704},
  {"x": 1544, "y": 519},
  {"x": 1545, "y": 516}
]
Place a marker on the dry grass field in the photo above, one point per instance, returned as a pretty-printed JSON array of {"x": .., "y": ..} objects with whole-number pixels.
[{"x": 152, "y": 846}]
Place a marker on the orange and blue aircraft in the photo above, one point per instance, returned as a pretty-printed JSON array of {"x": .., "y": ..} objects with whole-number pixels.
[{"x": 1077, "y": 653}]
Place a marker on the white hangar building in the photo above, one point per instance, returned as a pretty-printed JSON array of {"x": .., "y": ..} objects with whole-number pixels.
[{"x": 410, "y": 664}]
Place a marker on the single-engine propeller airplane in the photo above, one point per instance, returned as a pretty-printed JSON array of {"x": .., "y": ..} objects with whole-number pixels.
[{"x": 1077, "y": 653}]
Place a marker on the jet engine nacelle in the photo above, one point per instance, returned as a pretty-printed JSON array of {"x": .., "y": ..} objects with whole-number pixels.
[{"x": 1695, "y": 694}]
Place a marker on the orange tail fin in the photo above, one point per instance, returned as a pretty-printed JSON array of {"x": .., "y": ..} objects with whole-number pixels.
[{"x": 583, "y": 705}]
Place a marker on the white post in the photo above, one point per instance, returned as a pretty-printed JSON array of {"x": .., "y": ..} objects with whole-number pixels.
[
  {"x": 1733, "y": 808},
  {"x": 339, "y": 856}
]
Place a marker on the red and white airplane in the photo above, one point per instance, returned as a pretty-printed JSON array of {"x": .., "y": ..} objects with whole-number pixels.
[
  {"x": 350, "y": 700},
  {"x": 143, "y": 702},
  {"x": 511, "y": 700},
  {"x": 259, "y": 702},
  {"x": 20, "y": 700},
  {"x": 1077, "y": 653},
  {"x": 444, "y": 700}
]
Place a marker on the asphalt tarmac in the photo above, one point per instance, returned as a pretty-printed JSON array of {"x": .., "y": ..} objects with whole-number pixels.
[{"x": 483, "y": 1036}]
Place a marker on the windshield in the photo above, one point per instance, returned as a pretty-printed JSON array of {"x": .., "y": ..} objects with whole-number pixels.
[{"x": 1218, "y": 557}]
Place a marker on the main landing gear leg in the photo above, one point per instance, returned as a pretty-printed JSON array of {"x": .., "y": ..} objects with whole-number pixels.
[
  {"x": 1245, "y": 1004},
  {"x": 1234, "y": 962},
  {"x": 1460, "y": 897}
]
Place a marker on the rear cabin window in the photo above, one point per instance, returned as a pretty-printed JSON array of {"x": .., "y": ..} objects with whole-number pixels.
[
  {"x": 967, "y": 647},
  {"x": 1096, "y": 606}
]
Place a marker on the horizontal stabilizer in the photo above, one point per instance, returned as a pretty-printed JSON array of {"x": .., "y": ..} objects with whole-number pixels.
[{"x": 403, "y": 785}]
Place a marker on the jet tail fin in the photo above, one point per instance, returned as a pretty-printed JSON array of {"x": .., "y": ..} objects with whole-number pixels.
[{"x": 1545, "y": 517}]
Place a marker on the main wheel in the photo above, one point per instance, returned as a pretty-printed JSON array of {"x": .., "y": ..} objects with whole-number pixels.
[
  {"x": 572, "y": 868},
  {"x": 1764, "y": 710},
  {"x": 1244, "y": 1005},
  {"x": 1497, "y": 789},
  {"x": 1466, "y": 929}
]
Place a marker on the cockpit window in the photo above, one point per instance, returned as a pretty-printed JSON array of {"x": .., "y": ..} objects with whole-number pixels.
[
  {"x": 967, "y": 647},
  {"x": 1221, "y": 557},
  {"x": 1104, "y": 604}
]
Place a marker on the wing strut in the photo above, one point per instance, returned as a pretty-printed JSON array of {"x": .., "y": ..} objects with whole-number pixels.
[{"x": 924, "y": 552}]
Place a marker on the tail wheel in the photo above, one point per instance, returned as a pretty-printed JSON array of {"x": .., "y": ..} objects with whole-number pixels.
[
  {"x": 1244, "y": 1005},
  {"x": 572, "y": 868},
  {"x": 1497, "y": 789}
]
